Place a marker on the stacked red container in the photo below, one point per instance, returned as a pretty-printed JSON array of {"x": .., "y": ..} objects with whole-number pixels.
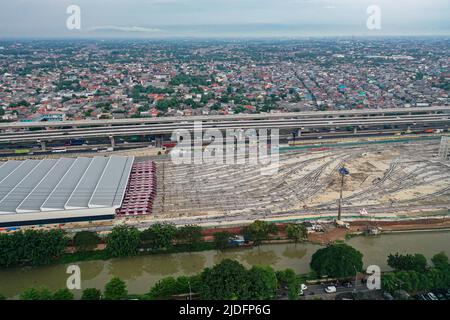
[{"x": 141, "y": 190}]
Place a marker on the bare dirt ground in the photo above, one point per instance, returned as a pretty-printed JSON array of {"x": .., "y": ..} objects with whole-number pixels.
[
  {"x": 339, "y": 234},
  {"x": 395, "y": 178}
]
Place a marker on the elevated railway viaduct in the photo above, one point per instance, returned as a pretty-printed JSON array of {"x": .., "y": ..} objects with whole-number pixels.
[{"x": 404, "y": 118}]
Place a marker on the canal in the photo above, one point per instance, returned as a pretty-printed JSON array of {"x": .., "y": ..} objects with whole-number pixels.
[{"x": 140, "y": 273}]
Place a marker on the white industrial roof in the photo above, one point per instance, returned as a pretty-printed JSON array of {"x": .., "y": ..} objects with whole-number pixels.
[{"x": 66, "y": 184}]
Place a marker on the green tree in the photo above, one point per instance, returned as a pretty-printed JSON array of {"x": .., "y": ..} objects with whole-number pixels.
[
  {"x": 419, "y": 75},
  {"x": 414, "y": 281},
  {"x": 2, "y": 297},
  {"x": 296, "y": 232},
  {"x": 416, "y": 262},
  {"x": 440, "y": 261},
  {"x": 262, "y": 283},
  {"x": 289, "y": 279},
  {"x": 115, "y": 289},
  {"x": 163, "y": 289},
  {"x": 91, "y": 294},
  {"x": 221, "y": 240},
  {"x": 159, "y": 236},
  {"x": 86, "y": 240},
  {"x": 293, "y": 289},
  {"x": 190, "y": 235},
  {"x": 286, "y": 276},
  {"x": 34, "y": 247},
  {"x": 226, "y": 280},
  {"x": 259, "y": 231},
  {"x": 63, "y": 294},
  {"x": 390, "y": 282},
  {"x": 164, "y": 105},
  {"x": 123, "y": 241},
  {"x": 170, "y": 286},
  {"x": 337, "y": 260},
  {"x": 36, "y": 294}
]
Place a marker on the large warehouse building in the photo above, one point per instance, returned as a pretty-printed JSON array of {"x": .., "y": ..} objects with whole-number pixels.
[{"x": 62, "y": 190}]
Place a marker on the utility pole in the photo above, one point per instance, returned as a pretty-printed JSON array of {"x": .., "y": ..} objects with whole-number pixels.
[
  {"x": 190, "y": 291},
  {"x": 343, "y": 172}
]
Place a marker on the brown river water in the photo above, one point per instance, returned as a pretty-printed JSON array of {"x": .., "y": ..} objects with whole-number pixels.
[{"x": 140, "y": 273}]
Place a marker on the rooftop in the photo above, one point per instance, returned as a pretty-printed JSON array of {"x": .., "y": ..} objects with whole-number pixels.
[{"x": 63, "y": 184}]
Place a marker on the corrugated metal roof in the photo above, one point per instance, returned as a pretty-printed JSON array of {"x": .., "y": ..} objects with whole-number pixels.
[
  {"x": 10, "y": 202},
  {"x": 64, "y": 184},
  {"x": 59, "y": 196},
  {"x": 42, "y": 190},
  {"x": 108, "y": 184},
  {"x": 86, "y": 185}
]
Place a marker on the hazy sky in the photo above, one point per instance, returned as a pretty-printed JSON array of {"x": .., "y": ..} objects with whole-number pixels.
[{"x": 221, "y": 18}]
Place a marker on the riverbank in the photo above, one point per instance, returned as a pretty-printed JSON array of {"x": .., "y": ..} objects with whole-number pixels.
[
  {"x": 330, "y": 234},
  {"x": 142, "y": 272},
  {"x": 359, "y": 227}
]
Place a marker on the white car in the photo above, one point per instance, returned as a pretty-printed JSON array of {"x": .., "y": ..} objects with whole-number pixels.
[
  {"x": 303, "y": 287},
  {"x": 432, "y": 296},
  {"x": 330, "y": 289}
]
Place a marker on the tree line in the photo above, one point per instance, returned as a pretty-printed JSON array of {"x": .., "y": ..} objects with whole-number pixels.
[
  {"x": 39, "y": 247},
  {"x": 412, "y": 273},
  {"x": 126, "y": 241},
  {"x": 31, "y": 247}
]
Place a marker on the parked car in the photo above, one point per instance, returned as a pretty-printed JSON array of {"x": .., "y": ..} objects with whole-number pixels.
[
  {"x": 347, "y": 284},
  {"x": 432, "y": 296},
  {"x": 330, "y": 289},
  {"x": 387, "y": 296},
  {"x": 440, "y": 296}
]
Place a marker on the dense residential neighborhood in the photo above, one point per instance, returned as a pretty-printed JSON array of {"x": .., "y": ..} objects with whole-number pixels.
[{"x": 70, "y": 80}]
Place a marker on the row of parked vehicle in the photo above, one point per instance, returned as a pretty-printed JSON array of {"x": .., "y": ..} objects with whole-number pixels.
[
  {"x": 328, "y": 287},
  {"x": 435, "y": 295}
]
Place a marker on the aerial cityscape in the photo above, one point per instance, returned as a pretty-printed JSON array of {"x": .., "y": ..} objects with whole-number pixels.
[
  {"x": 93, "y": 80},
  {"x": 148, "y": 166}
]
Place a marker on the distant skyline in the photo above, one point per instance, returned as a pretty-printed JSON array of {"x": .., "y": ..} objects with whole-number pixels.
[{"x": 221, "y": 18}]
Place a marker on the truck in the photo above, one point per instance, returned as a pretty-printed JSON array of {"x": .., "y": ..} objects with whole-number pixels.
[{"x": 342, "y": 224}]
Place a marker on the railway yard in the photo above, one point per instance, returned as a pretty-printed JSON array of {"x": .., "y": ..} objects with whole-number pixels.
[{"x": 392, "y": 179}]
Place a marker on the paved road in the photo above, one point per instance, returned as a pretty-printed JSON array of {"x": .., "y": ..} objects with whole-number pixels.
[{"x": 315, "y": 291}]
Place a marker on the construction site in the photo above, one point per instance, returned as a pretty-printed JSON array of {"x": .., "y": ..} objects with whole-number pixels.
[{"x": 391, "y": 180}]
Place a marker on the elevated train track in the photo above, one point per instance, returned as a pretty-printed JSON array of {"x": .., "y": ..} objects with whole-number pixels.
[
  {"x": 358, "y": 119},
  {"x": 284, "y": 115}
]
